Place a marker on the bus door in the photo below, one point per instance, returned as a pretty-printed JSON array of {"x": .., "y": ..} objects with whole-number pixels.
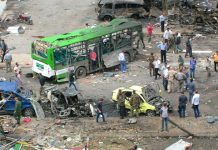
[{"x": 94, "y": 54}]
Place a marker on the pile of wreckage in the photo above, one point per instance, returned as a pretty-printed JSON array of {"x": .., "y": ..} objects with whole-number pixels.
[{"x": 201, "y": 14}]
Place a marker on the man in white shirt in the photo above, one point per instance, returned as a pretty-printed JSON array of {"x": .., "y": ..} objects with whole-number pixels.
[
  {"x": 195, "y": 104},
  {"x": 156, "y": 64},
  {"x": 163, "y": 51},
  {"x": 167, "y": 34},
  {"x": 162, "y": 22},
  {"x": 122, "y": 61},
  {"x": 165, "y": 77}
]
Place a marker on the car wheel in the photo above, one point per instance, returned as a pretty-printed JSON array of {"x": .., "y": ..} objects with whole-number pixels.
[
  {"x": 150, "y": 113},
  {"x": 80, "y": 72},
  {"x": 107, "y": 18},
  {"x": 127, "y": 58},
  {"x": 28, "y": 112}
]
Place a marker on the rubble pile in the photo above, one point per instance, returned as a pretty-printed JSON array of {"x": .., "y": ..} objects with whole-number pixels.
[{"x": 65, "y": 103}]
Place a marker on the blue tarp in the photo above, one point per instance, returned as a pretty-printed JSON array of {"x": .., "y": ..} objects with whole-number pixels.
[{"x": 8, "y": 86}]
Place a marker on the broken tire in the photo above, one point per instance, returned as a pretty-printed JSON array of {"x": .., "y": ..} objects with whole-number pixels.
[
  {"x": 80, "y": 72},
  {"x": 28, "y": 112},
  {"x": 150, "y": 113}
]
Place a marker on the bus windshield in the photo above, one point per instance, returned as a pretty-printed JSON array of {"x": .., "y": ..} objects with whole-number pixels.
[{"x": 40, "y": 48}]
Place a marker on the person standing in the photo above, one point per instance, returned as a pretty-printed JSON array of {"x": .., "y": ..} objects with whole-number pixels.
[
  {"x": 180, "y": 77},
  {"x": 163, "y": 51},
  {"x": 164, "y": 116},
  {"x": 141, "y": 38},
  {"x": 186, "y": 72},
  {"x": 182, "y": 105},
  {"x": 122, "y": 61},
  {"x": 167, "y": 35},
  {"x": 8, "y": 60},
  {"x": 93, "y": 58},
  {"x": 151, "y": 65},
  {"x": 17, "y": 110},
  {"x": 181, "y": 62},
  {"x": 195, "y": 104},
  {"x": 165, "y": 77},
  {"x": 171, "y": 77},
  {"x": 156, "y": 64},
  {"x": 72, "y": 79},
  {"x": 4, "y": 48},
  {"x": 188, "y": 47},
  {"x": 192, "y": 67},
  {"x": 121, "y": 103},
  {"x": 100, "y": 110},
  {"x": 162, "y": 22},
  {"x": 215, "y": 58},
  {"x": 177, "y": 43},
  {"x": 18, "y": 76},
  {"x": 17, "y": 68},
  {"x": 42, "y": 82},
  {"x": 191, "y": 89},
  {"x": 135, "y": 103},
  {"x": 149, "y": 31},
  {"x": 208, "y": 66}
]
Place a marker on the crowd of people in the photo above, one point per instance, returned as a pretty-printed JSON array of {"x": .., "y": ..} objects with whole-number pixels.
[{"x": 180, "y": 78}]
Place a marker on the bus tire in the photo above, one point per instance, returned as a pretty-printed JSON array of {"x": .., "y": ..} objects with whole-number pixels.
[
  {"x": 127, "y": 58},
  {"x": 107, "y": 18},
  {"x": 80, "y": 72},
  {"x": 29, "y": 75}
]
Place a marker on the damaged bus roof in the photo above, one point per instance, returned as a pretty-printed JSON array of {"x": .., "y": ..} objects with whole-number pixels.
[{"x": 90, "y": 33}]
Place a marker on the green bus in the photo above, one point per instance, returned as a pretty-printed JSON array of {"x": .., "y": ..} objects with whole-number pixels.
[{"x": 54, "y": 56}]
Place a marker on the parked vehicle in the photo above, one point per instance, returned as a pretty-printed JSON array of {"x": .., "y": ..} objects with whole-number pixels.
[
  {"x": 110, "y": 9},
  {"x": 9, "y": 91},
  {"x": 54, "y": 56},
  {"x": 149, "y": 105},
  {"x": 22, "y": 18}
]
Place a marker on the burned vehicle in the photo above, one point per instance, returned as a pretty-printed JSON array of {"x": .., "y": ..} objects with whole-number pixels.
[
  {"x": 151, "y": 101},
  {"x": 110, "y": 9},
  {"x": 66, "y": 103}
]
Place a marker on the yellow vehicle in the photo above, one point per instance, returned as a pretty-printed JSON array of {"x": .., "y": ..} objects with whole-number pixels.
[{"x": 150, "y": 104}]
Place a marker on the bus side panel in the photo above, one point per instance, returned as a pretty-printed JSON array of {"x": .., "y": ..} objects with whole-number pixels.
[{"x": 111, "y": 59}]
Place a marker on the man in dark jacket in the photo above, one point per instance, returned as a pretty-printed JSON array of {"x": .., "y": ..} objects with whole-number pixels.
[
  {"x": 182, "y": 105},
  {"x": 42, "y": 82},
  {"x": 72, "y": 79},
  {"x": 191, "y": 89},
  {"x": 100, "y": 110},
  {"x": 4, "y": 48},
  {"x": 17, "y": 111},
  {"x": 121, "y": 103}
]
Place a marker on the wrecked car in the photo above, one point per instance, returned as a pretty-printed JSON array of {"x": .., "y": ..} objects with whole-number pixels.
[
  {"x": 66, "y": 103},
  {"x": 110, "y": 9},
  {"x": 151, "y": 102},
  {"x": 8, "y": 92}
]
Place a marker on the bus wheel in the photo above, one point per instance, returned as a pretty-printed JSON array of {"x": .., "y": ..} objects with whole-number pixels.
[
  {"x": 107, "y": 18},
  {"x": 127, "y": 58},
  {"x": 80, "y": 72}
]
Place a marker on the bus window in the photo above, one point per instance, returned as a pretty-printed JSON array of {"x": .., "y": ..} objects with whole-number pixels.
[
  {"x": 40, "y": 49},
  {"x": 60, "y": 56},
  {"x": 77, "y": 52}
]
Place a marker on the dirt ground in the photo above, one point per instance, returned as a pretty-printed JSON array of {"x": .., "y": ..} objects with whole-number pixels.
[{"x": 54, "y": 16}]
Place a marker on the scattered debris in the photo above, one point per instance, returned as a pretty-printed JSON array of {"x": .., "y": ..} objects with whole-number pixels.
[
  {"x": 132, "y": 120},
  {"x": 212, "y": 119},
  {"x": 108, "y": 74},
  {"x": 16, "y": 29},
  {"x": 180, "y": 145}
]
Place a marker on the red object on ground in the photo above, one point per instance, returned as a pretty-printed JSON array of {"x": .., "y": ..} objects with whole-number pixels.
[{"x": 27, "y": 119}]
